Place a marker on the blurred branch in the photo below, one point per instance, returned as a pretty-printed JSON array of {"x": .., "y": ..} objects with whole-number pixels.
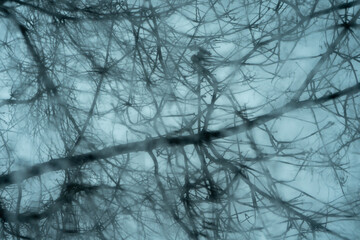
[{"x": 150, "y": 144}]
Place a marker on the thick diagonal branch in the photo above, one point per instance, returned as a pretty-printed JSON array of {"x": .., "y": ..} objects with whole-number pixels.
[{"x": 147, "y": 145}]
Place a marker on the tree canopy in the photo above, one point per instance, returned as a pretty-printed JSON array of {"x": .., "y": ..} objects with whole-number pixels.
[{"x": 175, "y": 119}]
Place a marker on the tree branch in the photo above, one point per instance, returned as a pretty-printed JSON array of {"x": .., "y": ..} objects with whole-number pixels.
[{"x": 147, "y": 145}]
